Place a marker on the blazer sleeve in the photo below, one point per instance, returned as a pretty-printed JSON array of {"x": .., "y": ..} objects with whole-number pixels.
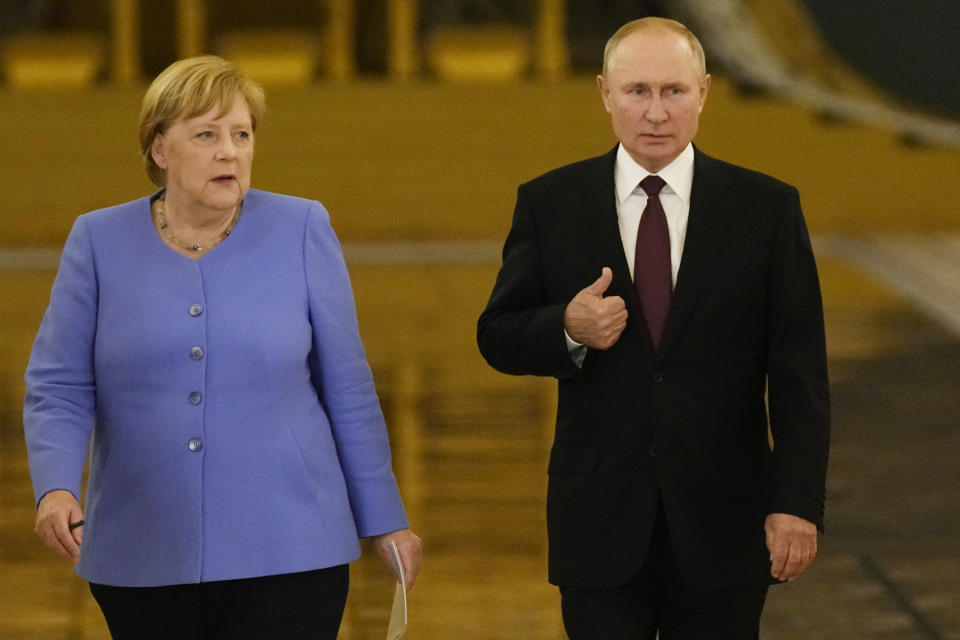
[
  {"x": 797, "y": 372},
  {"x": 521, "y": 330},
  {"x": 59, "y": 406},
  {"x": 343, "y": 379}
]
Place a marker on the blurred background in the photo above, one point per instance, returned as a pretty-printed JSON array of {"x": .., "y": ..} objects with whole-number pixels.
[{"x": 413, "y": 122}]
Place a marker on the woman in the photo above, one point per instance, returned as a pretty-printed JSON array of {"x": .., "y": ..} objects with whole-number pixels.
[{"x": 206, "y": 337}]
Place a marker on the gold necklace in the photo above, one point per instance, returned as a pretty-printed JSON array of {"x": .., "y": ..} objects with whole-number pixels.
[{"x": 196, "y": 246}]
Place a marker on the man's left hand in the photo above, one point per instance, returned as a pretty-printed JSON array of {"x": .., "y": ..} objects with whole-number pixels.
[{"x": 792, "y": 542}]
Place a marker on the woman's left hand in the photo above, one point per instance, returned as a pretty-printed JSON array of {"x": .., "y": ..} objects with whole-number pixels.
[{"x": 410, "y": 548}]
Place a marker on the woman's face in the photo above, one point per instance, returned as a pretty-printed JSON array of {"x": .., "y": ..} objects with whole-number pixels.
[{"x": 208, "y": 158}]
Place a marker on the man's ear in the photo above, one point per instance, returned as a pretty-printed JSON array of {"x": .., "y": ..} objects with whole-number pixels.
[
  {"x": 604, "y": 92},
  {"x": 704, "y": 89},
  {"x": 157, "y": 152}
]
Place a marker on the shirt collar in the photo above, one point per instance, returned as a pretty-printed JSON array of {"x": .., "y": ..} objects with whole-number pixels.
[{"x": 678, "y": 174}]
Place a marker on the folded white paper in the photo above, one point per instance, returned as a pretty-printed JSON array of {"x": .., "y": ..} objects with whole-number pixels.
[{"x": 398, "y": 613}]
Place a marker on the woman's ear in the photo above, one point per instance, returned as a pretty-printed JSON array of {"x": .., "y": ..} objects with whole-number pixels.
[{"x": 158, "y": 152}]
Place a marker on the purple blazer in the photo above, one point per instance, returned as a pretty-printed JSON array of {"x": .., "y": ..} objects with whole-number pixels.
[{"x": 235, "y": 427}]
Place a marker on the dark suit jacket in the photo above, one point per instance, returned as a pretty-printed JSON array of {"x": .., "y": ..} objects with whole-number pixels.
[{"x": 689, "y": 422}]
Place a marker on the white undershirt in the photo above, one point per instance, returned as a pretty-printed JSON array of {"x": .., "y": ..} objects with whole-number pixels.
[{"x": 632, "y": 200}]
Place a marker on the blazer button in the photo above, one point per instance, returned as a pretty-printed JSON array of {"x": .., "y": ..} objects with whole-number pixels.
[
  {"x": 195, "y": 398},
  {"x": 196, "y": 353},
  {"x": 653, "y": 451},
  {"x": 196, "y": 309},
  {"x": 658, "y": 377},
  {"x": 195, "y": 444}
]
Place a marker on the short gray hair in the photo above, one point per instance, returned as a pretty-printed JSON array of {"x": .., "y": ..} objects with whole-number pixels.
[{"x": 700, "y": 59}]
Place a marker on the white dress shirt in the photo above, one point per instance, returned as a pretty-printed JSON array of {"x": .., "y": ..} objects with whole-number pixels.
[
  {"x": 675, "y": 198},
  {"x": 632, "y": 200}
]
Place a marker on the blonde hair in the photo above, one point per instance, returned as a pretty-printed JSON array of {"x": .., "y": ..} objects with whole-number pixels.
[
  {"x": 188, "y": 88},
  {"x": 700, "y": 59}
]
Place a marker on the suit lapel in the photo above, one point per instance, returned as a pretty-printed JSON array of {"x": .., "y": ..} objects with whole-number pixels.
[
  {"x": 609, "y": 246},
  {"x": 711, "y": 211}
]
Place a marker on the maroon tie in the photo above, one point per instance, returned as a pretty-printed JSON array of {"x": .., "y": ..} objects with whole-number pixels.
[{"x": 651, "y": 266}]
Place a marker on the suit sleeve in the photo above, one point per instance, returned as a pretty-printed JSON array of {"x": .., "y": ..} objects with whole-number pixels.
[
  {"x": 343, "y": 379},
  {"x": 521, "y": 330},
  {"x": 59, "y": 406},
  {"x": 797, "y": 372}
]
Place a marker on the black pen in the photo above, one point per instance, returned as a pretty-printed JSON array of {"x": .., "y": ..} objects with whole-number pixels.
[{"x": 77, "y": 525}]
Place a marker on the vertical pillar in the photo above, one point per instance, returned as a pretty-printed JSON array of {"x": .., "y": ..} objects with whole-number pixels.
[
  {"x": 125, "y": 41},
  {"x": 551, "y": 41},
  {"x": 340, "y": 59},
  {"x": 191, "y": 28},
  {"x": 402, "y": 30}
]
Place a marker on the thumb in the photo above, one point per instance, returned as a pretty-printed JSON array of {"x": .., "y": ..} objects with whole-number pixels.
[{"x": 602, "y": 283}]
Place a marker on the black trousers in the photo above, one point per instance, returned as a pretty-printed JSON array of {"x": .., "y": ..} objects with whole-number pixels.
[
  {"x": 656, "y": 600},
  {"x": 291, "y": 606}
]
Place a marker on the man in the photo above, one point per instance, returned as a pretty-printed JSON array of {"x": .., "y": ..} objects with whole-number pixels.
[{"x": 668, "y": 319}]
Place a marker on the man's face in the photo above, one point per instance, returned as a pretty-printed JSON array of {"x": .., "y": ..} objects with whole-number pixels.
[{"x": 654, "y": 94}]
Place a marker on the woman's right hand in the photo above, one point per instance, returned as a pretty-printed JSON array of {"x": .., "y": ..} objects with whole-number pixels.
[{"x": 56, "y": 511}]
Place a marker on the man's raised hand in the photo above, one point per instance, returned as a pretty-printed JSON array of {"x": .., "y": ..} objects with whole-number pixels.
[{"x": 594, "y": 320}]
